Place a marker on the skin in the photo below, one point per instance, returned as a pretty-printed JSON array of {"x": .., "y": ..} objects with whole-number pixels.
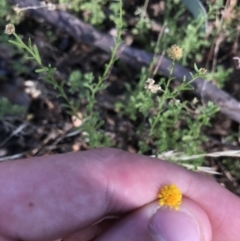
[{"x": 47, "y": 198}]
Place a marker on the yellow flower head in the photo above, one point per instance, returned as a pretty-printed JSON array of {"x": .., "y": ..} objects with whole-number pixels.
[
  {"x": 170, "y": 196},
  {"x": 175, "y": 52}
]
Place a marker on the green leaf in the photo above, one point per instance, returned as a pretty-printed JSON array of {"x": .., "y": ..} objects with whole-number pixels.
[
  {"x": 38, "y": 58},
  {"x": 66, "y": 105},
  {"x": 32, "y": 58},
  {"x": 195, "y": 67},
  {"x": 41, "y": 70},
  {"x": 29, "y": 43},
  {"x": 15, "y": 43}
]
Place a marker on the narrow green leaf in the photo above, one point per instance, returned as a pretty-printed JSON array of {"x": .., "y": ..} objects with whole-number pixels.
[
  {"x": 38, "y": 58},
  {"x": 195, "y": 67},
  {"x": 32, "y": 58},
  {"x": 29, "y": 43},
  {"x": 15, "y": 43},
  {"x": 40, "y": 70}
]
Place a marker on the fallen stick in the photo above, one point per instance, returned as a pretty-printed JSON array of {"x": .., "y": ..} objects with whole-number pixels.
[{"x": 138, "y": 58}]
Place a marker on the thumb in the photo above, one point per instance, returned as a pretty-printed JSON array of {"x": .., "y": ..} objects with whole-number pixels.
[
  {"x": 189, "y": 223},
  {"x": 151, "y": 222}
]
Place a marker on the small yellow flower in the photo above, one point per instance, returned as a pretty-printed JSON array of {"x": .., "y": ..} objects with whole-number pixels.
[
  {"x": 170, "y": 196},
  {"x": 175, "y": 52},
  {"x": 9, "y": 29}
]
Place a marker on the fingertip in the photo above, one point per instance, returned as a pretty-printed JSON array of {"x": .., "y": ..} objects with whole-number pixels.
[
  {"x": 189, "y": 223},
  {"x": 151, "y": 222}
]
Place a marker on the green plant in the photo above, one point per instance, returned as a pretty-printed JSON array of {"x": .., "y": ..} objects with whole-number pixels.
[
  {"x": 7, "y": 12},
  {"x": 220, "y": 76},
  {"x": 4, "y": 10},
  {"x": 164, "y": 121},
  {"x": 91, "y": 124},
  {"x": 94, "y": 13},
  {"x": 6, "y": 108}
]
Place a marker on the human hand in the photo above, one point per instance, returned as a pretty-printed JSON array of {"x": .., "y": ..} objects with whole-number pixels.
[{"x": 56, "y": 196}]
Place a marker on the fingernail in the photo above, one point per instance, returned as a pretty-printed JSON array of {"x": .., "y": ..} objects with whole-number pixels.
[{"x": 172, "y": 225}]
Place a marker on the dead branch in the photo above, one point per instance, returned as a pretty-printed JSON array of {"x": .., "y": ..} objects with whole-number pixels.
[{"x": 132, "y": 56}]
